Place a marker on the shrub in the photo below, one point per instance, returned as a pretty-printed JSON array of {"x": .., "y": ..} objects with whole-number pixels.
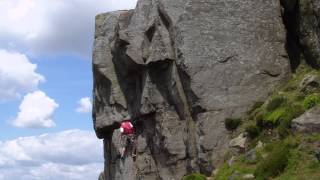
[
  {"x": 232, "y": 124},
  {"x": 275, "y": 102},
  {"x": 274, "y": 164},
  {"x": 194, "y": 176},
  {"x": 252, "y": 131},
  {"x": 311, "y": 101}
]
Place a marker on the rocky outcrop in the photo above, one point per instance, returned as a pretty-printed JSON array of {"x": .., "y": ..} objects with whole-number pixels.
[
  {"x": 179, "y": 69},
  {"x": 309, "y": 122}
]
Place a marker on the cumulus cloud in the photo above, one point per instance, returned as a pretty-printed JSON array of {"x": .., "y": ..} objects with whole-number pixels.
[
  {"x": 53, "y": 26},
  {"x": 36, "y": 110},
  {"x": 67, "y": 155},
  {"x": 17, "y": 75},
  {"x": 85, "y": 105}
]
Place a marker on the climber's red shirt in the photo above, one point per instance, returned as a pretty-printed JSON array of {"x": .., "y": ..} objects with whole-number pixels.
[{"x": 126, "y": 128}]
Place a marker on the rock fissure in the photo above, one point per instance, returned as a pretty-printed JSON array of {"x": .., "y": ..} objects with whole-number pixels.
[
  {"x": 271, "y": 74},
  {"x": 301, "y": 19},
  {"x": 290, "y": 17},
  {"x": 227, "y": 59}
]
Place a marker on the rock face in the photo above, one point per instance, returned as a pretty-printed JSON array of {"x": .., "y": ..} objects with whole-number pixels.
[
  {"x": 179, "y": 69},
  {"x": 309, "y": 122}
]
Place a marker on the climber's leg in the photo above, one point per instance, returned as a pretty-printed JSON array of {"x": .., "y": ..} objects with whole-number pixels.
[
  {"x": 134, "y": 148},
  {"x": 123, "y": 146},
  {"x": 123, "y": 149}
]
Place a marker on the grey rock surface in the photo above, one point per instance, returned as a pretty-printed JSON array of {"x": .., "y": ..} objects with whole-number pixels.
[
  {"x": 239, "y": 142},
  {"x": 179, "y": 69},
  {"x": 310, "y": 83},
  {"x": 309, "y": 122},
  {"x": 251, "y": 156}
]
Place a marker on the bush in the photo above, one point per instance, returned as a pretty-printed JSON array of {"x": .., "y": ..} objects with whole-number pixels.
[
  {"x": 195, "y": 176},
  {"x": 232, "y": 124},
  {"x": 275, "y": 102},
  {"x": 252, "y": 131},
  {"x": 311, "y": 101},
  {"x": 274, "y": 163}
]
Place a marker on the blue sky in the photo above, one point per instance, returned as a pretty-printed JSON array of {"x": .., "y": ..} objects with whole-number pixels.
[
  {"x": 68, "y": 79},
  {"x": 46, "y": 128}
]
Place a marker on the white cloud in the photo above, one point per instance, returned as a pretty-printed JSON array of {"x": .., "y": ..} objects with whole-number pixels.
[
  {"x": 85, "y": 105},
  {"x": 36, "y": 110},
  {"x": 17, "y": 75},
  {"x": 67, "y": 155},
  {"x": 53, "y": 26}
]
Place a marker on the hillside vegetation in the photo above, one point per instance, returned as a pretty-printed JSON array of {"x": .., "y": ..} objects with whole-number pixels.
[{"x": 273, "y": 151}]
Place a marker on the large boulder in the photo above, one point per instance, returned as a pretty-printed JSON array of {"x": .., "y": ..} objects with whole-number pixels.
[
  {"x": 309, "y": 122},
  {"x": 179, "y": 69}
]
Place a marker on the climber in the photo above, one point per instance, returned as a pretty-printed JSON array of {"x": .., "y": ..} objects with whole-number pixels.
[{"x": 127, "y": 137}]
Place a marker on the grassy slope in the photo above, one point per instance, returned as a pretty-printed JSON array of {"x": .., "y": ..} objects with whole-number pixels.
[{"x": 285, "y": 156}]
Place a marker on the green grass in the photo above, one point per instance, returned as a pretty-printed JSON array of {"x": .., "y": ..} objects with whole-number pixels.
[
  {"x": 240, "y": 168},
  {"x": 195, "y": 176},
  {"x": 281, "y": 115},
  {"x": 284, "y": 156},
  {"x": 285, "y": 104},
  {"x": 286, "y": 159},
  {"x": 302, "y": 163},
  {"x": 275, "y": 102},
  {"x": 311, "y": 100},
  {"x": 312, "y": 138},
  {"x": 274, "y": 164}
]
